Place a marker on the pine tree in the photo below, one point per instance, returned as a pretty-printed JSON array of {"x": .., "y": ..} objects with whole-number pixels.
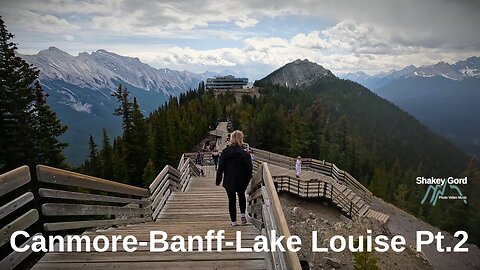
[
  {"x": 137, "y": 148},
  {"x": 48, "y": 149},
  {"x": 29, "y": 129},
  {"x": 125, "y": 108},
  {"x": 16, "y": 95},
  {"x": 106, "y": 157},
  {"x": 92, "y": 165},
  {"x": 149, "y": 173}
]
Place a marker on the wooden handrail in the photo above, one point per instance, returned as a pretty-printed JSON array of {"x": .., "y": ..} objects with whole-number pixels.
[
  {"x": 126, "y": 203},
  {"x": 52, "y": 175},
  {"x": 169, "y": 180},
  {"x": 317, "y": 188},
  {"x": 314, "y": 165},
  {"x": 13, "y": 179},
  {"x": 268, "y": 215},
  {"x": 14, "y": 216}
]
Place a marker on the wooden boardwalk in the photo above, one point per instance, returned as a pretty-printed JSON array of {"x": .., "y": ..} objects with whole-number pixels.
[
  {"x": 202, "y": 207},
  {"x": 281, "y": 174},
  {"x": 178, "y": 202}
]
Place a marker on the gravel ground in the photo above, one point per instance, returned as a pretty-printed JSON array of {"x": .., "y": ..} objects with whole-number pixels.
[
  {"x": 305, "y": 216},
  {"x": 405, "y": 224}
]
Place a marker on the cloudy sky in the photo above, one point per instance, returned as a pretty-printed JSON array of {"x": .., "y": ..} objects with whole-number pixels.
[{"x": 253, "y": 37}]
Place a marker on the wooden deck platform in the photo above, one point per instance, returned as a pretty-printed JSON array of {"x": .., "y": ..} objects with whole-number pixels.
[
  {"x": 313, "y": 177},
  {"x": 202, "y": 207}
]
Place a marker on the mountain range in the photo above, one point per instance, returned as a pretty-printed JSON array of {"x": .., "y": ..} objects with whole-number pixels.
[
  {"x": 80, "y": 87},
  {"x": 443, "y": 96},
  {"x": 461, "y": 70}
]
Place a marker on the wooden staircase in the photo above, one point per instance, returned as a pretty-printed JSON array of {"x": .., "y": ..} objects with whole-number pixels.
[{"x": 312, "y": 184}]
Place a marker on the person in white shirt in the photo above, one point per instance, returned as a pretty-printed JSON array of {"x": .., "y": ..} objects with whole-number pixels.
[{"x": 298, "y": 166}]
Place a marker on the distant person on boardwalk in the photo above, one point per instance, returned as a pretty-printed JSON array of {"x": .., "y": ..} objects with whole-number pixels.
[
  {"x": 252, "y": 156},
  {"x": 199, "y": 161},
  {"x": 298, "y": 166},
  {"x": 215, "y": 157},
  {"x": 236, "y": 168},
  {"x": 207, "y": 145}
]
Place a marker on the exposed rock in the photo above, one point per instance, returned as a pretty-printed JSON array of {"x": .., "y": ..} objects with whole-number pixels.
[
  {"x": 297, "y": 74},
  {"x": 296, "y": 212},
  {"x": 333, "y": 262}
]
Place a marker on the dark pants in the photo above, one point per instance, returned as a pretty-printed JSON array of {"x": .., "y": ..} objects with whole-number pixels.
[
  {"x": 232, "y": 203},
  {"x": 215, "y": 161}
]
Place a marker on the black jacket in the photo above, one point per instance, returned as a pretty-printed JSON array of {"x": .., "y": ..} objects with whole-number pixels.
[
  {"x": 236, "y": 167},
  {"x": 199, "y": 159}
]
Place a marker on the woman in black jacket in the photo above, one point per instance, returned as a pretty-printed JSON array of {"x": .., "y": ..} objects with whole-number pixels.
[{"x": 236, "y": 167}]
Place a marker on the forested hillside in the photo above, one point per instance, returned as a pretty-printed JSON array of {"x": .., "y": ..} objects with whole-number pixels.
[
  {"x": 148, "y": 144},
  {"x": 382, "y": 146}
]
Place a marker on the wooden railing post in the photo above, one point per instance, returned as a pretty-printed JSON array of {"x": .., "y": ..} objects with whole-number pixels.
[{"x": 272, "y": 218}]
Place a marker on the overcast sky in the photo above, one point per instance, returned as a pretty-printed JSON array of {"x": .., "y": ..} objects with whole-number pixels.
[{"x": 253, "y": 37}]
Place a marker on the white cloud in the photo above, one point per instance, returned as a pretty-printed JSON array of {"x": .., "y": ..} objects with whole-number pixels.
[
  {"x": 370, "y": 35},
  {"x": 246, "y": 22},
  {"x": 31, "y": 21},
  {"x": 69, "y": 38},
  {"x": 345, "y": 47}
]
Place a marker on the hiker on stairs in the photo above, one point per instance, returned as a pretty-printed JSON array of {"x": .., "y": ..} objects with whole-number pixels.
[{"x": 235, "y": 168}]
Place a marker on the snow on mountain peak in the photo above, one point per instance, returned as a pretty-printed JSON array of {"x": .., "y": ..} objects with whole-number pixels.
[{"x": 104, "y": 70}]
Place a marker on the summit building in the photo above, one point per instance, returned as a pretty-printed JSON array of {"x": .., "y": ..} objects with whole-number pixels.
[{"x": 228, "y": 82}]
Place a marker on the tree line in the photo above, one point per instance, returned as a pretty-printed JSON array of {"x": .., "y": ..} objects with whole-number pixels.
[{"x": 29, "y": 128}]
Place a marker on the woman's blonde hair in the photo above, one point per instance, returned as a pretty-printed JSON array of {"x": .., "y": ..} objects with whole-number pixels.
[{"x": 236, "y": 138}]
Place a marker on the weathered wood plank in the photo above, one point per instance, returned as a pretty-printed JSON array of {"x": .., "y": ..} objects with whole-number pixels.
[
  {"x": 167, "y": 256},
  {"x": 159, "y": 193},
  {"x": 69, "y": 195},
  {"x": 57, "y": 226},
  {"x": 162, "y": 176},
  {"x": 10, "y": 207},
  {"x": 19, "y": 224},
  {"x": 256, "y": 208},
  {"x": 64, "y": 209},
  {"x": 256, "y": 222},
  {"x": 61, "y": 177},
  {"x": 158, "y": 208},
  {"x": 14, "y": 179},
  {"x": 15, "y": 258},
  {"x": 184, "y": 264},
  {"x": 257, "y": 193},
  {"x": 291, "y": 257}
]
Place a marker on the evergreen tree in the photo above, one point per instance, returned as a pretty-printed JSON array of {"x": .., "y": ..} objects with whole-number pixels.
[
  {"x": 29, "y": 128},
  {"x": 92, "y": 165},
  {"x": 48, "y": 149},
  {"x": 124, "y": 109},
  {"x": 106, "y": 157},
  {"x": 16, "y": 96},
  {"x": 149, "y": 173},
  {"x": 364, "y": 260},
  {"x": 137, "y": 147}
]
